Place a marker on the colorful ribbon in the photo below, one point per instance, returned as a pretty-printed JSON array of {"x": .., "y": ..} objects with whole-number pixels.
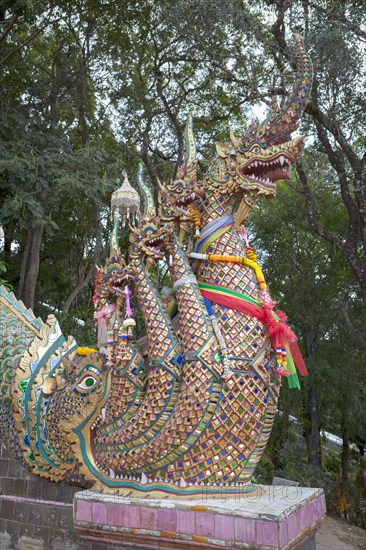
[
  {"x": 212, "y": 232},
  {"x": 282, "y": 337},
  {"x": 127, "y": 292}
]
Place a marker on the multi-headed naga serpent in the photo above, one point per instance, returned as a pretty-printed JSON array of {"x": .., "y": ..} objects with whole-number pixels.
[{"x": 196, "y": 407}]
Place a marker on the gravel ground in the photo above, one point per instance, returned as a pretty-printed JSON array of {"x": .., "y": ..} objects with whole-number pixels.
[{"x": 336, "y": 534}]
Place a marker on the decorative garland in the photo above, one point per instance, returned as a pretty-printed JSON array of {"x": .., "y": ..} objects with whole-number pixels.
[
  {"x": 283, "y": 338},
  {"x": 196, "y": 216},
  {"x": 102, "y": 317},
  {"x": 85, "y": 351}
]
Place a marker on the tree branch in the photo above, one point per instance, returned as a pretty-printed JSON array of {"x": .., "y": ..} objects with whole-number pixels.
[
  {"x": 83, "y": 281},
  {"x": 333, "y": 127},
  {"x": 313, "y": 214},
  {"x": 9, "y": 27},
  {"x": 341, "y": 19},
  {"x": 46, "y": 22},
  {"x": 354, "y": 331}
]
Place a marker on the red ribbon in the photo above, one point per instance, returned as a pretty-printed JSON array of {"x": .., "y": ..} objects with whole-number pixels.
[
  {"x": 278, "y": 331},
  {"x": 281, "y": 334}
]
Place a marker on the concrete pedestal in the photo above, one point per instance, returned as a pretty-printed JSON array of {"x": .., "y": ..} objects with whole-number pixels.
[{"x": 274, "y": 517}]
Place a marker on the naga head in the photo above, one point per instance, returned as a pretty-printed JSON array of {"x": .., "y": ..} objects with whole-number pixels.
[
  {"x": 50, "y": 391},
  {"x": 248, "y": 166},
  {"x": 146, "y": 238},
  {"x": 80, "y": 373},
  {"x": 76, "y": 388},
  {"x": 255, "y": 161},
  {"x": 176, "y": 198},
  {"x": 73, "y": 396}
]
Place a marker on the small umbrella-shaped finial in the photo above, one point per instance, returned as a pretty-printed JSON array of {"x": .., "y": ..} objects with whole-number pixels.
[
  {"x": 126, "y": 200},
  {"x": 125, "y": 205}
]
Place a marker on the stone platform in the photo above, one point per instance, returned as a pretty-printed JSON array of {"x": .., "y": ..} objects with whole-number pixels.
[{"x": 281, "y": 517}]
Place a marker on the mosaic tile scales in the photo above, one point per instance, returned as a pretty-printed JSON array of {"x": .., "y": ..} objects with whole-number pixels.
[{"x": 193, "y": 409}]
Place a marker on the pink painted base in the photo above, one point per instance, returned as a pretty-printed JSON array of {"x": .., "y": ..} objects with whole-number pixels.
[{"x": 280, "y": 517}]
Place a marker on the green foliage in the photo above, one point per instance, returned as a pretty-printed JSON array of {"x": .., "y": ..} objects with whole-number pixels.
[
  {"x": 264, "y": 472},
  {"x": 3, "y": 282},
  {"x": 89, "y": 88},
  {"x": 332, "y": 463},
  {"x": 307, "y": 278},
  {"x": 84, "y": 333},
  {"x": 357, "y": 511}
]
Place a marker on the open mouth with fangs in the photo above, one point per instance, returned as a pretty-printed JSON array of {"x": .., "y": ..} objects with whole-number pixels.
[
  {"x": 267, "y": 172},
  {"x": 182, "y": 202},
  {"x": 119, "y": 284},
  {"x": 154, "y": 245}
]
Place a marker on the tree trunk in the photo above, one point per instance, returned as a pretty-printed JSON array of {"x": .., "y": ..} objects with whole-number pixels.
[
  {"x": 30, "y": 266},
  {"x": 313, "y": 433},
  {"x": 8, "y": 240},
  {"x": 345, "y": 450},
  {"x": 54, "y": 87},
  {"x": 87, "y": 278},
  {"x": 311, "y": 412},
  {"x": 84, "y": 281}
]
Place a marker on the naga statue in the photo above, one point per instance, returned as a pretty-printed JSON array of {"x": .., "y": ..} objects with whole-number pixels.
[{"x": 192, "y": 408}]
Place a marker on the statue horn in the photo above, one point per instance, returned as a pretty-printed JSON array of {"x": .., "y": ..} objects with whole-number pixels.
[
  {"x": 190, "y": 143},
  {"x": 234, "y": 140},
  {"x": 282, "y": 121},
  {"x": 149, "y": 205},
  {"x": 162, "y": 187}
]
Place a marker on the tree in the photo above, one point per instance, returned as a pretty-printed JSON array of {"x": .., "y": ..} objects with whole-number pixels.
[
  {"x": 90, "y": 87},
  {"x": 306, "y": 276},
  {"x": 335, "y": 33},
  {"x": 46, "y": 151}
]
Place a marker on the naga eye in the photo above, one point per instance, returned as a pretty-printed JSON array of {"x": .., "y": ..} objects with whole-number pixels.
[{"x": 86, "y": 383}]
